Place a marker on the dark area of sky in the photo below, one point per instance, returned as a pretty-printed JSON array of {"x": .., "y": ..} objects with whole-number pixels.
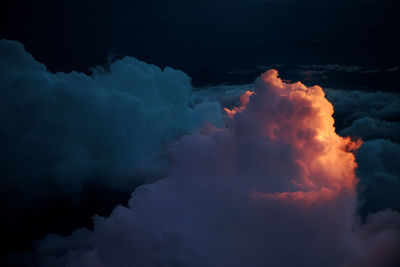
[{"x": 211, "y": 39}]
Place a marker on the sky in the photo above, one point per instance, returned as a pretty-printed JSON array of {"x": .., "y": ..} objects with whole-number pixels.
[
  {"x": 208, "y": 39},
  {"x": 174, "y": 133}
]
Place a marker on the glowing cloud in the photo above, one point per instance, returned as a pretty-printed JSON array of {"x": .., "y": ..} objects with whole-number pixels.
[
  {"x": 244, "y": 99},
  {"x": 274, "y": 187}
]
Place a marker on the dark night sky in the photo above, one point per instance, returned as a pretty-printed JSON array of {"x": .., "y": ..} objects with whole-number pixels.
[{"x": 206, "y": 38}]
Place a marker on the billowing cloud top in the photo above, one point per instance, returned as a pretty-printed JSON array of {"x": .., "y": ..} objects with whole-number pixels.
[
  {"x": 275, "y": 187},
  {"x": 111, "y": 127},
  {"x": 70, "y": 139}
]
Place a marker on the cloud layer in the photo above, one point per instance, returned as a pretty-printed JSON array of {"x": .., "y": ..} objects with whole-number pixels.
[{"x": 276, "y": 186}]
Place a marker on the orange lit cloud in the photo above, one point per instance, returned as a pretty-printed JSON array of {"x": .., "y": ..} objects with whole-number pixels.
[
  {"x": 302, "y": 118},
  {"x": 244, "y": 99},
  {"x": 274, "y": 187}
]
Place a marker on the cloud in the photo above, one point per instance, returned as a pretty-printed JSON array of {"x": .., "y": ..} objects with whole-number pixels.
[
  {"x": 276, "y": 186},
  {"x": 336, "y": 67},
  {"x": 112, "y": 125},
  {"x": 351, "y": 105},
  {"x": 378, "y": 240},
  {"x": 375, "y": 117},
  {"x": 368, "y": 128},
  {"x": 393, "y": 69},
  {"x": 379, "y": 174},
  {"x": 60, "y": 132},
  {"x": 366, "y": 115},
  {"x": 227, "y": 95}
]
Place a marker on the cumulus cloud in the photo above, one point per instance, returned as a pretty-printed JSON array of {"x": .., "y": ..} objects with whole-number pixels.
[
  {"x": 375, "y": 117},
  {"x": 349, "y": 105},
  {"x": 379, "y": 174},
  {"x": 369, "y": 128},
  {"x": 352, "y": 104},
  {"x": 276, "y": 186},
  {"x": 60, "y": 132},
  {"x": 112, "y": 126},
  {"x": 360, "y": 114}
]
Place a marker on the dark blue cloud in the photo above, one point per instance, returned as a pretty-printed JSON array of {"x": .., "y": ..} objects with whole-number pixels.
[
  {"x": 73, "y": 127},
  {"x": 379, "y": 173},
  {"x": 62, "y": 132}
]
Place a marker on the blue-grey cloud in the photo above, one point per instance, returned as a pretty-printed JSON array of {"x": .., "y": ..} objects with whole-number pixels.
[
  {"x": 74, "y": 144},
  {"x": 112, "y": 126},
  {"x": 379, "y": 174},
  {"x": 351, "y": 105},
  {"x": 369, "y": 128}
]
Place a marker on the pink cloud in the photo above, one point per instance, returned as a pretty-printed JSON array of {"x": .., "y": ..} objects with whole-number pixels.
[{"x": 275, "y": 187}]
